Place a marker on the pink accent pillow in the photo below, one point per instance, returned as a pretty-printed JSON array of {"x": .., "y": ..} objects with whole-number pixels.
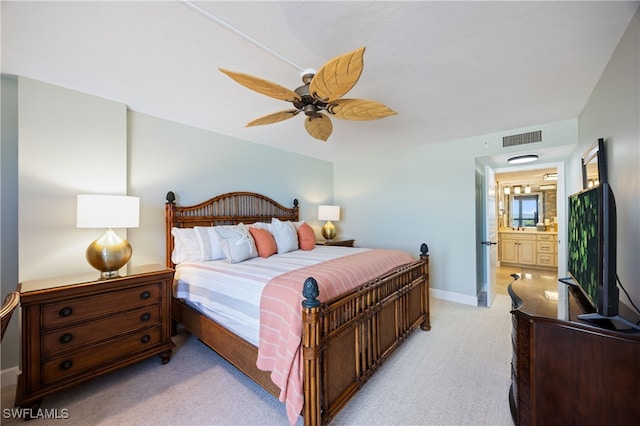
[
  {"x": 265, "y": 243},
  {"x": 306, "y": 237}
]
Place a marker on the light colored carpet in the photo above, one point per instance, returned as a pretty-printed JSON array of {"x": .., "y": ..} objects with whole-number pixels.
[{"x": 456, "y": 374}]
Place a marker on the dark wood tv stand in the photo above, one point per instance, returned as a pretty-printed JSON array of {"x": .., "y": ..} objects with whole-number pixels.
[{"x": 567, "y": 371}]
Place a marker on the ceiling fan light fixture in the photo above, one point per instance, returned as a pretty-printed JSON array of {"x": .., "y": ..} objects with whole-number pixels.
[
  {"x": 310, "y": 110},
  {"x": 522, "y": 158}
]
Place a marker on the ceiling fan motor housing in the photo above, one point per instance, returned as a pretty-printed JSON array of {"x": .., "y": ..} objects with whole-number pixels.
[{"x": 308, "y": 104}]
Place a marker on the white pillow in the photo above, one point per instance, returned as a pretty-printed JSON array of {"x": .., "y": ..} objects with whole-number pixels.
[
  {"x": 186, "y": 247},
  {"x": 236, "y": 242},
  {"x": 285, "y": 234},
  {"x": 209, "y": 244},
  {"x": 262, "y": 225}
]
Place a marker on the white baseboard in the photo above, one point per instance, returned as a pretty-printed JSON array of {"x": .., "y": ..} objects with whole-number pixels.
[
  {"x": 9, "y": 376},
  {"x": 454, "y": 297}
]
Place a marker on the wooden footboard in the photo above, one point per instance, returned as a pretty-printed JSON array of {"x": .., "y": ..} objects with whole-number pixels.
[{"x": 346, "y": 340}]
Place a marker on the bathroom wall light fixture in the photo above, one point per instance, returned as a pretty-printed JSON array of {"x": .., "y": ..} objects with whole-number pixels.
[
  {"x": 522, "y": 158},
  {"x": 507, "y": 190},
  {"x": 527, "y": 189}
]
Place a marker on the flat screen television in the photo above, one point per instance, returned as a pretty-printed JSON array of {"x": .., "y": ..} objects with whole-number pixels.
[
  {"x": 592, "y": 247},
  {"x": 591, "y": 244}
]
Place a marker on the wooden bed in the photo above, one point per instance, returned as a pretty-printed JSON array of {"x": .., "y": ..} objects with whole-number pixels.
[{"x": 344, "y": 340}]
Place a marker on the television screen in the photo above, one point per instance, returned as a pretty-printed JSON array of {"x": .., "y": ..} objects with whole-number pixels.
[
  {"x": 592, "y": 247},
  {"x": 584, "y": 242}
]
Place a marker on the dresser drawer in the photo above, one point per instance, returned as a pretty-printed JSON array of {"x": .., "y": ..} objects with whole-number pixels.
[
  {"x": 97, "y": 330},
  {"x": 75, "y": 363},
  {"x": 81, "y": 309}
]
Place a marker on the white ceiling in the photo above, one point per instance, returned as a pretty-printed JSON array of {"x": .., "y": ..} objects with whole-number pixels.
[
  {"x": 524, "y": 177},
  {"x": 450, "y": 69}
]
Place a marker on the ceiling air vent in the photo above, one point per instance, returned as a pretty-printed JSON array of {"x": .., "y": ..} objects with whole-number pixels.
[{"x": 522, "y": 139}]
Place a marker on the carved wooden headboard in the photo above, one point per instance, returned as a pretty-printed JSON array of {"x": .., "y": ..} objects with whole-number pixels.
[{"x": 225, "y": 209}]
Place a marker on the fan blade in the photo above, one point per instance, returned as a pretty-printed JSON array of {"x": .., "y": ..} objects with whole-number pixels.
[
  {"x": 274, "y": 118},
  {"x": 359, "y": 109},
  {"x": 319, "y": 126},
  {"x": 262, "y": 86},
  {"x": 337, "y": 76}
]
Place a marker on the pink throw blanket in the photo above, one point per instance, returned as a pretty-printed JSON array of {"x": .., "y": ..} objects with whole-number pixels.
[{"x": 279, "y": 350}]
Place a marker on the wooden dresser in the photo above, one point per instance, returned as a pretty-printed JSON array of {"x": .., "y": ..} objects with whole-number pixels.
[
  {"x": 565, "y": 371},
  {"x": 76, "y": 328}
]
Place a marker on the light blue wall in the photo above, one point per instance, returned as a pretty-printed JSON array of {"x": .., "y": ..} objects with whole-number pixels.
[
  {"x": 197, "y": 164},
  {"x": 428, "y": 194},
  {"x": 613, "y": 113},
  {"x": 9, "y": 212},
  {"x": 69, "y": 143}
]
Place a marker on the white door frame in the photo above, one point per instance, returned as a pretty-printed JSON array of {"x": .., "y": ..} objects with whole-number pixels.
[{"x": 561, "y": 206}]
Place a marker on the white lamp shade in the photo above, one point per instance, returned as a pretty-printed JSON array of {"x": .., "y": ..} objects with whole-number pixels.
[
  {"x": 107, "y": 211},
  {"x": 328, "y": 212}
]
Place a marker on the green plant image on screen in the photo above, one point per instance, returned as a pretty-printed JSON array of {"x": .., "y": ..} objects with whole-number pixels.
[{"x": 584, "y": 241}]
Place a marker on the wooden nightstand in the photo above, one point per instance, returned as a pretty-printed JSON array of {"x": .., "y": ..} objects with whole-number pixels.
[
  {"x": 343, "y": 243},
  {"x": 76, "y": 328}
]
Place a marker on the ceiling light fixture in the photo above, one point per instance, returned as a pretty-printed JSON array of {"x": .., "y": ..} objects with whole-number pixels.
[
  {"x": 523, "y": 158},
  {"x": 550, "y": 176}
]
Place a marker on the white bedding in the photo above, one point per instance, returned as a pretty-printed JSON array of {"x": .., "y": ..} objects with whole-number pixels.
[{"x": 229, "y": 293}]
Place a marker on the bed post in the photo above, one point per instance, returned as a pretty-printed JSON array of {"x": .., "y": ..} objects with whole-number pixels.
[
  {"x": 170, "y": 207},
  {"x": 311, "y": 353},
  {"x": 424, "y": 257}
]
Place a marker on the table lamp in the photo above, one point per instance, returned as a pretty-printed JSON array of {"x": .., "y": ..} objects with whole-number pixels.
[
  {"x": 108, "y": 253},
  {"x": 328, "y": 213}
]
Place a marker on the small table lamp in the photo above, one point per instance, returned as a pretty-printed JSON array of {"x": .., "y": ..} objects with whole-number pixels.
[
  {"x": 328, "y": 213},
  {"x": 108, "y": 253}
]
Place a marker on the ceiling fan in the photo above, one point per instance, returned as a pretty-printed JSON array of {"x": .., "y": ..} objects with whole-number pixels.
[{"x": 320, "y": 96}]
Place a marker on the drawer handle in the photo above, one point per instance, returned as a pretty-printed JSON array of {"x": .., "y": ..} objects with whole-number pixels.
[
  {"x": 145, "y": 338},
  {"x": 145, "y": 317},
  {"x": 65, "y": 338},
  {"x": 145, "y": 295},
  {"x": 65, "y": 312},
  {"x": 65, "y": 365}
]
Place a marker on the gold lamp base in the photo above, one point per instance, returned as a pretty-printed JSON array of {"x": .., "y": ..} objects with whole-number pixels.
[
  {"x": 108, "y": 254},
  {"x": 328, "y": 231}
]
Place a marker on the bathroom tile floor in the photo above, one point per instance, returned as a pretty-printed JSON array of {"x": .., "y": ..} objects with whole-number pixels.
[{"x": 504, "y": 278}]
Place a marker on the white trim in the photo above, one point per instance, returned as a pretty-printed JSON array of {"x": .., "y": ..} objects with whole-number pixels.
[
  {"x": 454, "y": 297},
  {"x": 9, "y": 376}
]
